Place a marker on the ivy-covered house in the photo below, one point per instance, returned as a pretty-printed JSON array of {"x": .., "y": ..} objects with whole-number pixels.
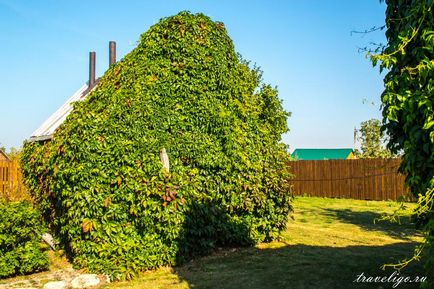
[{"x": 184, "y": 94}]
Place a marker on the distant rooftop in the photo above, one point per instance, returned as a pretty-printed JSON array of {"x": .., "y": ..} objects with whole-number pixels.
[
  {"x": 3, "y": 156},
  {"x": 323, "y": 154}
]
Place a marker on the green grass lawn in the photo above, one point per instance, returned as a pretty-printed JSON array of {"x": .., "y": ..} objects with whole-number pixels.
[{"x": 326, "y": 245}]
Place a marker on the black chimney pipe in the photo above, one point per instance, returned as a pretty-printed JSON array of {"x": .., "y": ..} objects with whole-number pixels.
[
  {"x": 92, "y": 57},
  {"x": 112, "y": 53}
]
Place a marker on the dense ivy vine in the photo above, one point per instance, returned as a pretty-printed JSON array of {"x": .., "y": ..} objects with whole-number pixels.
[
  {"x": 408, "y": 101},
  {"x": 100, "y": 182}
]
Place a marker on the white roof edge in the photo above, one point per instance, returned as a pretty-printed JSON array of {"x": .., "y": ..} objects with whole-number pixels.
[
  {"x": 40, "y": 138},
  {"x": 47, "y": 129}
]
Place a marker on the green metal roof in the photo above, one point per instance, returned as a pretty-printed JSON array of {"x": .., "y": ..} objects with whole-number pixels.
[{"x": 321, "y": 154}]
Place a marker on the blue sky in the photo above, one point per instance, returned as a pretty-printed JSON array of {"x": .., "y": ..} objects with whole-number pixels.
[{"x": 305, "y": 48}]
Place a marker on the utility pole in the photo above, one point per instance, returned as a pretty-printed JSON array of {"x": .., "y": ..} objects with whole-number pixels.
[{"x": 355, "y": 138}]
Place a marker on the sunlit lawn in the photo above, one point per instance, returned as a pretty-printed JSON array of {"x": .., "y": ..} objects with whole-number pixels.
[{"x": 327, "y": 244}]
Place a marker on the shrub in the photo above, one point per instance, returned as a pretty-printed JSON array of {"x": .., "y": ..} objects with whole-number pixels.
[
  {"x": 21, "y": 251},
  {"x": 100, "y": 181}
]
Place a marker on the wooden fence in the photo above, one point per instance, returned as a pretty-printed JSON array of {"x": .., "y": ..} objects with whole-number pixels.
[
  {"x": 364, "y": 179},
  {"x": 11, "y": 185}
]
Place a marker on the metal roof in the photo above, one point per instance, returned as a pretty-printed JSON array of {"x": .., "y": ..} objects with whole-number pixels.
[
  {"x": 47, "y": 129},
  {"x": 322, "y": 154}
]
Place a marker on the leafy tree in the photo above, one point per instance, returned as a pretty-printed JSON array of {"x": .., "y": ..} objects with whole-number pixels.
[
  {"x": 14, "y": 154},
  {"x": 372, "y": 140},
  {"x": 100, "y": 181},
  {"x": 408, "y": 99},
  {"x": 2, "y": 148}
]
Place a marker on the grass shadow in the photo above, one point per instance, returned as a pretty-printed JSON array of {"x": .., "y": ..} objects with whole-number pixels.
[
  {"x": 299, "y": 267},
  {"x": 371, "y": 221}
]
